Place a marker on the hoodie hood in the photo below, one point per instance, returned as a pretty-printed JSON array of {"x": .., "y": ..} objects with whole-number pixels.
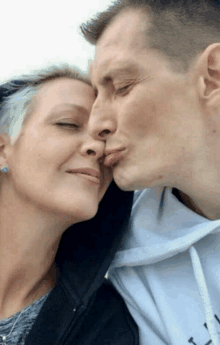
[
  {"x": 161, "y": 229},
  {"x": 167, "y": 230}
]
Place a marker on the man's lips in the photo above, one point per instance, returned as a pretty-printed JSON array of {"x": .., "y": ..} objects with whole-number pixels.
[
  {"x": 91, "y": 174},
  {"x": 112, "y": 157}
]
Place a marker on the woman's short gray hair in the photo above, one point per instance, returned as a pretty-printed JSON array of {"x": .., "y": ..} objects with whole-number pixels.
[{"x": 16, "y": 96}]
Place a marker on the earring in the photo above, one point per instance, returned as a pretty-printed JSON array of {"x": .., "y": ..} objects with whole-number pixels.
[{"x": 4, "y": 169}]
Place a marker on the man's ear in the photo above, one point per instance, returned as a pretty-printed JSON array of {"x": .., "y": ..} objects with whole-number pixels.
[
  {"x": 208, "y": 69},
  {"x": 4, "y": 149}
]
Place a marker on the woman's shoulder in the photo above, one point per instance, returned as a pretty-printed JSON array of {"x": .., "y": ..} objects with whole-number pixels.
[
  {"x": 107, "y": 320},
  {"x": 104, "y": 319}
]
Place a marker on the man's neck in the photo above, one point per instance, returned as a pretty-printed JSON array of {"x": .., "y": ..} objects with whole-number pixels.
[
  {"x": 202, "y": 206},
  {"x": 190, "y": 204}
]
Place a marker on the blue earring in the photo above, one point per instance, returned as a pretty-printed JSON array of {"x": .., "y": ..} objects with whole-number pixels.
[{"x": 4, "y": 169}]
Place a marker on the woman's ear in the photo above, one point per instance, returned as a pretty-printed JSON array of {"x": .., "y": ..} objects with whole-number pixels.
[
  {"x": 207, "y": 69},
  {"x": 4, "y": 149}
]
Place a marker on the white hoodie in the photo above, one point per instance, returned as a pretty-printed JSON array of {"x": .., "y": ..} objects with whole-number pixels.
[{"x": 168, "y": 272}]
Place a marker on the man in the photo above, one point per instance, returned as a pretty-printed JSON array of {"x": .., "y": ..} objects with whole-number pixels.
[{"x": 157, "y": 77}]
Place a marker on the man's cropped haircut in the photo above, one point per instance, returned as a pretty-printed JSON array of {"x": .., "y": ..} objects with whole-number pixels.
[{"x": 179, "y": 29}]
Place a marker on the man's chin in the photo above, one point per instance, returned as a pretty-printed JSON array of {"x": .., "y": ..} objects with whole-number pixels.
[
  {"x": 125, "y": 184},
  {"x": 130, "y": 180}
]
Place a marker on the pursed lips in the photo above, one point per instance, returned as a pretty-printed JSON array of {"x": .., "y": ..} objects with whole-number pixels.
[{"x": 113, "y": 156}]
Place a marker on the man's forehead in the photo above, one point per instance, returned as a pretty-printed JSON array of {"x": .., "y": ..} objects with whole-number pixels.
[
  {"x": 111, "y": 68},
  {"x": 124, "y": 34},
  {"x": 126, "y": 30}
]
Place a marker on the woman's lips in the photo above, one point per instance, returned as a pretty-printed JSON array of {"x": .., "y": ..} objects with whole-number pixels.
[
  {"x": 87, "y": 173},
  {"x": 89, "y": 177}
]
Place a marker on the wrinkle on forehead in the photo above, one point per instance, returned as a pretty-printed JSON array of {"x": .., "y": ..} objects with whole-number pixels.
[
  {"x": 118, "y": 69},
  {"x": 123, "y": 40},
  {"x": 128, "y": 29}
]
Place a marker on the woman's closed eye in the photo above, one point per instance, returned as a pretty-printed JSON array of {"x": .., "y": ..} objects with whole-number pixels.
[{"x": 68, "y": 124}]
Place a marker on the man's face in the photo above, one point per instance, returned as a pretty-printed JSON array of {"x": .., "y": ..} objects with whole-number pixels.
[{"x": 144, "y": 111}]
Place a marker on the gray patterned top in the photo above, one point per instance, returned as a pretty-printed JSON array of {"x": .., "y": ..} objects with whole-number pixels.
[{"x": 24, "y": 324}]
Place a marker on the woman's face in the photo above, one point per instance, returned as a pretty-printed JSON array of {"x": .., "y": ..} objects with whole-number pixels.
[{"x": 55, "y": 164}]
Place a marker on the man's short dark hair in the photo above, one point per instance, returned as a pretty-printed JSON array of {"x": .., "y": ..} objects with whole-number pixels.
[{"x": 180, "y": 29}]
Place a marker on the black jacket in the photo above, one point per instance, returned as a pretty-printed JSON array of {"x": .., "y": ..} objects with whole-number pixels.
[{"x": 84, "y": 308}]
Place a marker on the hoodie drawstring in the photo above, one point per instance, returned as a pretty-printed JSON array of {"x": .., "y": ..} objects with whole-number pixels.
[{"x": 210, "y": 319}]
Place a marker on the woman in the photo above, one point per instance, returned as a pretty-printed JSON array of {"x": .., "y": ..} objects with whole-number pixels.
[{"x": 52, "y": 288}]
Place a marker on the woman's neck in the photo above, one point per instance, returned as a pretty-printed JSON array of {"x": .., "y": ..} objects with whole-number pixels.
[{"x": 29, "y": 240}]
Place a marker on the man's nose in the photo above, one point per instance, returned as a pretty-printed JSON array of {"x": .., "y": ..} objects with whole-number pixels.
[{"x": 102, "y": 122}]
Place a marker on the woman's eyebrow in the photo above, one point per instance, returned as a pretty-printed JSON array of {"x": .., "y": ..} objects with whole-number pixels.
[
  {"x": 67, "y": 106},
  {"x": 71, "y": 106}
]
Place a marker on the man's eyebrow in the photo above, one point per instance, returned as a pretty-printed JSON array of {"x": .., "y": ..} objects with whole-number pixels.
[{"x": 116, "y": 71}]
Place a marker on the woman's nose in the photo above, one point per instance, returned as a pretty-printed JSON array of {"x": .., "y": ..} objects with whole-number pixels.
[{"x": 93, "y": 147}]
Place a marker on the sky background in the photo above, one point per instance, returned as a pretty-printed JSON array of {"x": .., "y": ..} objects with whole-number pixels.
[{"x": 38, "y": 33}]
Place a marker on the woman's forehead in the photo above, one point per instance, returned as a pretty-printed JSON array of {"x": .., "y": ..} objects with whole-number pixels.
[{"x": 65, "y": 91}]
